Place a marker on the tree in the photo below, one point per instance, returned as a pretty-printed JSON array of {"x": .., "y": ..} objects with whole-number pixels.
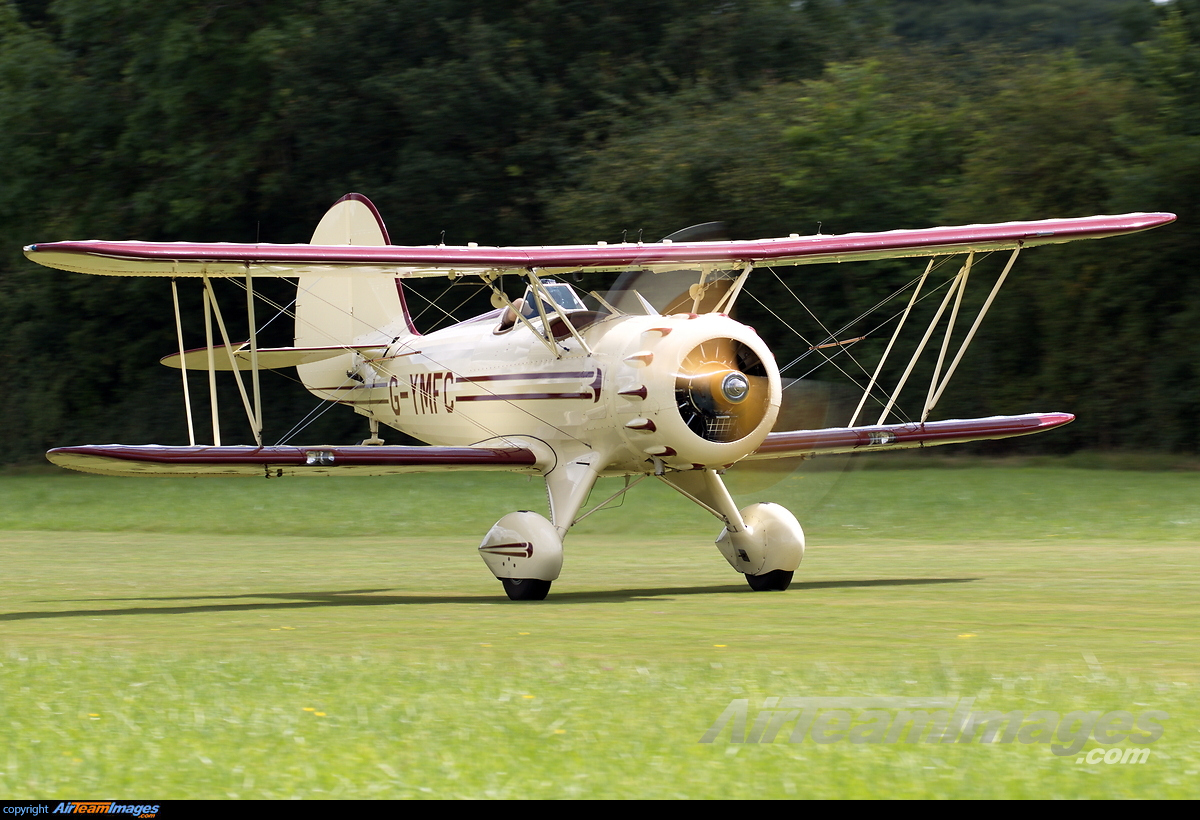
[
  {"x": 202, "y": 120},
  {"x": 1081, "y": 328},
  {"x": 865, "y": 147}
]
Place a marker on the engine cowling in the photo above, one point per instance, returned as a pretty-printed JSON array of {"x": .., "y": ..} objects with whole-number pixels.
[{"x": 696, "y": 390}]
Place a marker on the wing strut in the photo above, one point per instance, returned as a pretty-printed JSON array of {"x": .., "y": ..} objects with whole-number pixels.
[
  {"x": 187, "y": 398},
  {"x": 521, "y": 318},
  {"x": 604, "y": 304},
  {"x": 891, "y": 342},
  {"x": 970, "y": 334},
  {"x": 939, "y": 381},
  {"x": 697, "y": 289},
  {"x": 912, "y": 362},
  {"x": 961, "y": 281},
  {"x": 211, "y": 299},
  {"x": 255, "y": 422},
  {"x": 540, "y": 304},
  {"x": 541, "y": 299},
  {"x": 546, "y": 299},
  {"x": 726, "y": 303},
  {"x": 212, "y": 368}
]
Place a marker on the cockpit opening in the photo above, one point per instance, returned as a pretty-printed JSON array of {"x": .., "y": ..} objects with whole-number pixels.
[{"x": 562, "y": 295}]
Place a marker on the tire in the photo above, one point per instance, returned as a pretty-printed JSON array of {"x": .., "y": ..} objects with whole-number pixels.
[
  {"x": 776, "y": 579},
  {"x": 526, "y": 589}
]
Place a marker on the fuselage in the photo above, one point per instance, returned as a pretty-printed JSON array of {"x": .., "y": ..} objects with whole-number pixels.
[{"x": 480, "y": 382}]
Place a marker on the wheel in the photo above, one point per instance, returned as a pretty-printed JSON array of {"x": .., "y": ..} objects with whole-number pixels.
[
  {"x": 776, "y": 579},
  {"x": 527, "y": 589}
]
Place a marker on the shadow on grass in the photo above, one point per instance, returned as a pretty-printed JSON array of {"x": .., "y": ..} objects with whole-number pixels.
[{"x": 369, "y": 597}]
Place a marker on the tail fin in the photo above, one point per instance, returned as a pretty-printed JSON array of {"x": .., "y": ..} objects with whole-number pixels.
[{"x": 334, "y": 310}]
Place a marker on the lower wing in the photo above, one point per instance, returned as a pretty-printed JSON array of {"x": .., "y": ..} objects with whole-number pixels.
[
  {"x": 903, "y": 436},
  {"x": 273, "y": 462}
]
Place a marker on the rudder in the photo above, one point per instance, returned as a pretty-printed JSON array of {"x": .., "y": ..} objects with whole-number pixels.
[{"x": 332, "y": 310}]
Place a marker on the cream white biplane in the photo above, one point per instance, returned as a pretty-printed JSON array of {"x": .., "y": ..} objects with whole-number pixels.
[{"x": 546, "y": 385}]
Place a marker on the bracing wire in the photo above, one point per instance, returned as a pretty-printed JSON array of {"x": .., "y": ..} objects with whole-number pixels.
[
  {"x": 326, "y": 404},
  {"x": 832, "y": 336}
]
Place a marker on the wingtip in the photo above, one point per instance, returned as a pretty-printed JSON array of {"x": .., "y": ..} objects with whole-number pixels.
[{"x": 1048, "y": 421}]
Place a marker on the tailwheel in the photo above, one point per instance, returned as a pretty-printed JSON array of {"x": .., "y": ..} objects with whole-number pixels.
[
  {"x": 532, "y": 589},
  {"x": 776, "y": 579}
]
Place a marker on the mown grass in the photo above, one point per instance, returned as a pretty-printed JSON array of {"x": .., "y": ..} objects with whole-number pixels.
[
  {"x": 498, "y": 726},
  {"x": 340, "y": 639},
  {"x": 930, "y": 505}
]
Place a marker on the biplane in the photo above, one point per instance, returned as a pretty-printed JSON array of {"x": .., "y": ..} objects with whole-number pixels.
[{"x": 547, "y": 384}]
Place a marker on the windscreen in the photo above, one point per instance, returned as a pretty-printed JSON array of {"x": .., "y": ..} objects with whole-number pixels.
[{"x": 563, "y": 294}]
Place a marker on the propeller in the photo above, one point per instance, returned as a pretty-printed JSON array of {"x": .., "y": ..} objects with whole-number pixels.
[
  {"x": 704, "y": 232},
  {"x": 721, "y": 390},
  {"x": 806, "y": 405},
  {"x": 703, "y": 404},
  {"x": 670, "y": 291}
]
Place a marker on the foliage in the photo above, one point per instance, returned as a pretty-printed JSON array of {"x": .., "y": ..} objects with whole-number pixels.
[
  {"x": 1033, "y": 26},
  {"x": 557, "y": 120},
  {"x": 197, "y": 120},
  {"x": 1107, "y": 331},
  {"x": 848, "y": 149}
]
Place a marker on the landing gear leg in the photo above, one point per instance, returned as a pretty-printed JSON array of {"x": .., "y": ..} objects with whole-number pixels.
[
  {"x": 525, "y": 550},
  {"x": 374, "y": 439}
]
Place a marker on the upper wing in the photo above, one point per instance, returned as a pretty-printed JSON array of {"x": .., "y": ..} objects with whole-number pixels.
[
  {"x": 225, "y": 259},
  {"x": 272, "y": 462},
  {"x": 830, "y": 440}
]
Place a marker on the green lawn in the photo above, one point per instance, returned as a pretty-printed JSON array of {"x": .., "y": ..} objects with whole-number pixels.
[{"x": 339, "y": 638}]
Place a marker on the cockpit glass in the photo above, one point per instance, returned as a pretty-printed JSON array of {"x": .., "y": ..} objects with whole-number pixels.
[{"x": 564, "y": 295}]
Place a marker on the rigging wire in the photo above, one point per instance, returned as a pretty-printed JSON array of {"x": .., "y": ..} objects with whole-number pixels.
[
  {"x": 865, "y": 313},
  {"x": 828, "y": 359},
  {"x": 325, "y": 405},
  {"x": 847, "y": 325},
  {"x": 302, "y": 425},
  {"x": 432, "y": 303},
  {"x": 830, "y": 336}
]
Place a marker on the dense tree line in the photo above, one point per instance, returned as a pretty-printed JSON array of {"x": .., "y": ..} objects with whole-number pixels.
[{"x": 563, "y": 120}]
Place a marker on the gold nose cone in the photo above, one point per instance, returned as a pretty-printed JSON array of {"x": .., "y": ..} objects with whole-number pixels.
[{"x": 716, "y": 399}]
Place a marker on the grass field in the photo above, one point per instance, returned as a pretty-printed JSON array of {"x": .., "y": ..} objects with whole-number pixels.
[{"x": 340, "y": 638}]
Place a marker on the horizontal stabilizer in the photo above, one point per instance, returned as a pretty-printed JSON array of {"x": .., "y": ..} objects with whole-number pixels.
[
  {"x": 274, "y": 462},
  {"x": 269, "y": 358},
  {"x": 795, "y": 443}
]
